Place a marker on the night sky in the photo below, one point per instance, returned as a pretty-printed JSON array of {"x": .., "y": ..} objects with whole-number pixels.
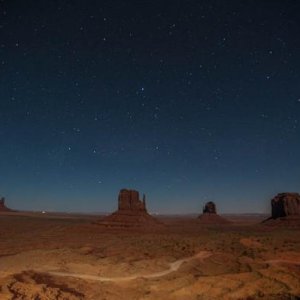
[{"x": 185, "y": 101}]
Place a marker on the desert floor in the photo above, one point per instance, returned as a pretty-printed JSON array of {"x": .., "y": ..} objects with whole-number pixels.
[{"x": 64, "y": 256}]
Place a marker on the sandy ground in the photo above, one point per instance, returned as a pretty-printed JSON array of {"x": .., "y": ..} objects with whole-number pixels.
[{"x": 57, "y": 256}]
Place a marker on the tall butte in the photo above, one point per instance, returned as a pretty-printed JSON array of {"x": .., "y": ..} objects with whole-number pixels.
[
  {"x": 131, "y": 213},
  {"x": 2, "y": 205}
]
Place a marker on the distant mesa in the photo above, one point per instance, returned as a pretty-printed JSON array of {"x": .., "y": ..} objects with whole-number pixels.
[
  {"x": 2, "y": 205},
  {"x": 285, "y": 209},
  {"x": 131, "y": 213},
  {"x": 210, "y": 215}
]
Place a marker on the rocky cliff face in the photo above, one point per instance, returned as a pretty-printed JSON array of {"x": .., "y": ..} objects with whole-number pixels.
[
  {"x": 285, "y": 204},
  {"x": 129, "y": 200}
]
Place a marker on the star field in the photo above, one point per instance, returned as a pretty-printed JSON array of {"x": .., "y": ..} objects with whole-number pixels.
[{"x": 186, "y": 101}]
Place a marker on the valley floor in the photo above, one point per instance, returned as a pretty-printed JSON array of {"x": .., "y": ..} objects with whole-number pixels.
[{"x": 48, "y": 256}]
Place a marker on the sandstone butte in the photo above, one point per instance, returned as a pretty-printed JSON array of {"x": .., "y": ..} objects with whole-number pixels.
[
  {"x": 285, "y": 210},
  {"x": 131, "y": 213},
  {"x": 210, "y": 216}
]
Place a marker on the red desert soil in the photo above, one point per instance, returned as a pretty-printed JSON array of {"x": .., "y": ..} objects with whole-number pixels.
[{"x": 63, "y": 256}]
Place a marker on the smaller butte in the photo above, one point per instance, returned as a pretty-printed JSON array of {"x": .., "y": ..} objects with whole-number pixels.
[
  {"x": 210, "y": 216},
  {"x": 132, "y": 213}
]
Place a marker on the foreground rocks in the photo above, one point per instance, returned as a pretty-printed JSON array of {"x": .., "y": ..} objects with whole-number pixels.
[
  {"x": 210, "y": 215},
  {"x": 131, "y": 213}
]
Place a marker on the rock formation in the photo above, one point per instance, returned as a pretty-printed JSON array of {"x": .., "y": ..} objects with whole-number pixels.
[
  {"x": 210, "y": 215},
  {"x": 285, "y": 209},
  {"x": 2, "y": 205},
  {"x": 210, "y": 208},
  {"x": 131, "y": 213},
  {"x": 285, "y": 204},
  {"x": 129, "y": 200}
]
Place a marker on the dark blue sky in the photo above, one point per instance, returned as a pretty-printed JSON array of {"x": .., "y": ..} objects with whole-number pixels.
[{"x": 186, "y": 101}]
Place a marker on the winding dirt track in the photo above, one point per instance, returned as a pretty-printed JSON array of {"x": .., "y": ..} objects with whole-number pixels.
[
  {"x": 283, "y": 261},
  {"x": 174, "y": 266}
]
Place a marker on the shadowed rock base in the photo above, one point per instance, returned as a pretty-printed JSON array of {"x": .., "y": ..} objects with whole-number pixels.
[
  {"x": 208, "y": 218},
  {"x": 289, "y": 221}
]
